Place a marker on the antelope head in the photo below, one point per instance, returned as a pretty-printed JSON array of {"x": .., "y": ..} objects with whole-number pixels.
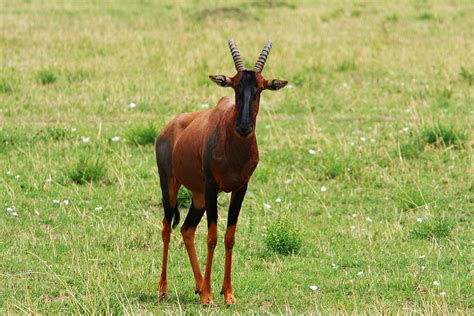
[{"x": 248, "y": 85}]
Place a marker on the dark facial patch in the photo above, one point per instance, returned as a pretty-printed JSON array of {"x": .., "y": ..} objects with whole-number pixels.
[{"x": 245, "y": 93}]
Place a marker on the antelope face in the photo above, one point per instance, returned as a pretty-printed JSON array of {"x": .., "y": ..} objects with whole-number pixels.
[{"x": 247, "y": 85}]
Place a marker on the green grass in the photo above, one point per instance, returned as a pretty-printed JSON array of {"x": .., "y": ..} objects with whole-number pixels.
[
  {"x": 380, "y": 92},
  {"x": 142, "y": 134},
  {"x": 46, "y": 77},
  {"x": 87, "y": 169},
  {"x": 283, "y": 237}
]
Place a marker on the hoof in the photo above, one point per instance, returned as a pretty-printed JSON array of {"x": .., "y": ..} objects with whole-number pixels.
[
  {"x": 206, "y": 300},
  {"x": 162, "y": 297},
  {"x": 229, "y": 300}
]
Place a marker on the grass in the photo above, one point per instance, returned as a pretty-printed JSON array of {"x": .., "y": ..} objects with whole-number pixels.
[
  {"x": 435, "y": 229},
  {"x": 87, "y": 169},
  {"x": 142, "y": 134},
  {"x": 375, "y": 87},
  {"x": 283, "y": 237},
  {"x": 46, "y": 77}
]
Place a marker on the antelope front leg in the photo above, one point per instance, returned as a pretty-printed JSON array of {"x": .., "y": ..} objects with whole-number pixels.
[
  {"x": 211, "y": 210},
  {"x": 234, "y": 210},
  {"x": 188, "y": 231}
]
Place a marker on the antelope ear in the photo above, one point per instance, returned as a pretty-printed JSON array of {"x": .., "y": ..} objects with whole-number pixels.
[
  {"x": 275, "y": 84},
  {"x": 221, "y": 80}
]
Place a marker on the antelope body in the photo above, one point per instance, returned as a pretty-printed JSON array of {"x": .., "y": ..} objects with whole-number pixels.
[{"x": 209, "y": 152}]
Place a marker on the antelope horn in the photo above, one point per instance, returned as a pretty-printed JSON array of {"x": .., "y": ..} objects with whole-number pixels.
[
  {"x": 263, "y": 57},
  {"x": 239, "y": 64}
]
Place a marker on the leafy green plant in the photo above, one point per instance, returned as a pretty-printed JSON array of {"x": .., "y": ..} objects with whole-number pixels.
[
  {"x": 283, "y": 237},
  {"x": 142, "y": 134}
]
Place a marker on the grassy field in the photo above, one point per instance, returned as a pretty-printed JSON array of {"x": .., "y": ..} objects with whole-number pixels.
[{"x": 367, "y": 152}]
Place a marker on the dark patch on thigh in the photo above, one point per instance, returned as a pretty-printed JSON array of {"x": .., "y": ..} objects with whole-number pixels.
[{"x": 163, "y": 156}]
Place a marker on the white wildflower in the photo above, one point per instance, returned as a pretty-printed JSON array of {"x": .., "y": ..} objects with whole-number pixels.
[
  {"x": 312, "y": 152},
  {"x": 73, "y": 129},
  {"x": 9, "y": 209},
  {"x": 442, "y": 293},
  {"x": 267, "y": 206},
  {"x": 9, "y": 173},
  {"x": 422, "y": 257},
  {"x": 288, "y": 181},
  {"x": 419, "y": 220},
  {"x": 14, "y": 214},
  {"x": 354, "y": 215},
  {"x": 132, "y": 105},
  {"x": 37, "y": 212},
  {"x": 99, "y": 208},
  {"x": 205, "y": 106},
  {"x": 56, "y": 201},
  {"x": 372, "y": 140},
  {"x": 324, "y": 189},
  {"x": 17, "y": 177},
  {"x": 353, "y": 227},
  {"x": 278, "y": 200},
  {"x": 423, "y": 268},
  {"x": 334, "y": 266},
  {"x": 85, "y": 139},
  {"x": 363, "y": 139},
  {"x": 314, "y": 288},
  {"x": 406, "y": 129},
  {"x": 361, "y": 273},
  {"x": 369, "y": 219},
  {"x": 66, "y": 202},
  {"x": 436, "y": 283},
  {"x": 263, "y": 235},
  {"x": 115, "y": 139}
]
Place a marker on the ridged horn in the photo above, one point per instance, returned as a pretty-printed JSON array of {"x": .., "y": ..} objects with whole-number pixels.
[
  {"x": 263, "y": 57},
  {"x": 239, "y": 64}
]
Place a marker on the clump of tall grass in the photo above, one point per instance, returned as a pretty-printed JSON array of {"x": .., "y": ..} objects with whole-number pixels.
[
  {"x": 442, "y": 136},
  {"x": 434, "y": 229},
  {"x": 142, "y": 134},
  {"x": 46, "y": 77},
  {"x": 87, "y": 170}
]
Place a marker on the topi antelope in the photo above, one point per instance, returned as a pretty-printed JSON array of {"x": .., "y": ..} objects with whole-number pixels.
[{"x": 209, "y": 152}]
